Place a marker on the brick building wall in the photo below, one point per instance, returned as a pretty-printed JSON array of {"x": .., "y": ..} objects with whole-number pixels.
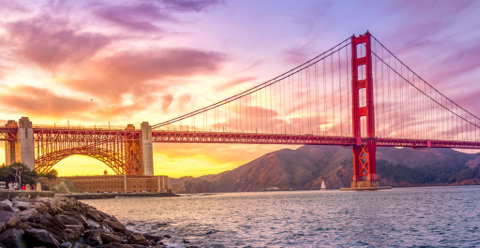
[{"x": 120, "y": 183}]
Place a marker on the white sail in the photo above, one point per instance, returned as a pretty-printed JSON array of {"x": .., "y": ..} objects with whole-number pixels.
[{"x": 323, "y": 185}]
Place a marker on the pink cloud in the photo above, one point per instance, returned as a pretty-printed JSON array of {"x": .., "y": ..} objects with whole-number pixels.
[
  {"x": 140, "y": 17},
  {"x": 49, "y": 42},
  {"x": 166, "y": 101},
  {"x": 190, "y": 5},
  {"x": 132, "y": 72},
  {"x": 32, "y": 101},
  {"x": 234, "y": 83}
]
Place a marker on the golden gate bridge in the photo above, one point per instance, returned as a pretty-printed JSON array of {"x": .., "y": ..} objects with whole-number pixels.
[{"x": 356, "y": 94}]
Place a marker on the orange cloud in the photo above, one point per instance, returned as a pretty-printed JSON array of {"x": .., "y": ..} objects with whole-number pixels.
[{"x": 32, "y": 101}]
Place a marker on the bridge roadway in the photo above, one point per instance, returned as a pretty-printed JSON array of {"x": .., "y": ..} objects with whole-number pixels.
[{"x": 158, "y": 136}]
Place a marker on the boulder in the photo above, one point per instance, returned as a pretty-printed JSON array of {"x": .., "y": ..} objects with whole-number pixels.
[
  {"x": 68, "y": 220},
  {"x": 119, "y": 234},
  {"x": 6, "y": 205},
  {"x": 40, "y": 237},
  {"x": 35, "y": 225},
  {"x": 22, "y": 226},
  {"x": 78, "y": 229},
  {"x": 69, "y": 235},
  {"x": 138, "y": 246},
  {"x": 152, "y": 243},
  {"x": 92, "y": 224},
  {"x": 152, "y": 237},
  {"x": 137, "y": 238},
  {"x": 8, "y": 219},
  {"x": 82, "y": 219},
  {"x": 66, "y": 245},
  {"x": 13, "y": 238},
  {"x": 92, "y": 214},
  {"x": 21, "y": 205},
  {"x": 110, "y": 238},
  {"x": 92, "y": 237},
  {"x": 105, "y": 229},
  {"x": 51, "y": 204},
  {"x": 115, "y": 225},
  {"x": 40, "y": 207},
  {"x": 30, "y": 214},
  {"x": 117, "y": 245}
]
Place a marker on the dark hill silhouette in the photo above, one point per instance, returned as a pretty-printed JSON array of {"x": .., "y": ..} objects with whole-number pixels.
[{"x": 307, "y": 166}]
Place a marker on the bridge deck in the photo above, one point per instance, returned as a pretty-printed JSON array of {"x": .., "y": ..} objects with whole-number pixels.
[{"x": 253, "y": 138}]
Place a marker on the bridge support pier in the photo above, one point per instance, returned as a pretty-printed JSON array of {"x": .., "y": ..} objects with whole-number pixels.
[
  {"x": 147, "y": 149},
  {"x": 21, "y": 150}
]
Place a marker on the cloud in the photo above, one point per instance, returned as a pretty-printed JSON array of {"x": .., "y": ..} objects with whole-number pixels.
[
  {"x": 33, "y": 101},
  {"x": 12, "y": 6},
  {"x": 166, "y": 101},
  {"x": 49, "y": 42},
  {"x": 295, "y": 56},
  {"x": 190, "y": 5},
  {"x": 141, "y": 17},
  {"x": 133, "y": 72},
  {"x": 234, "y": 83}
]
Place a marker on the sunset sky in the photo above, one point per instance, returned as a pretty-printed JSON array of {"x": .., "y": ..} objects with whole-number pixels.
[{"x": 120, "y": 62}]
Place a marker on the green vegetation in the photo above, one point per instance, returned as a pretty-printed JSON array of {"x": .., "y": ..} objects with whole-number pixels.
[{"x": 7, "y": 173}]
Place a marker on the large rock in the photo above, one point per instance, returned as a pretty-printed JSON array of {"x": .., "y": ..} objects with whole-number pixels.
[
  {"x": 153, "y": 237},
  {"x": 35, "y": 225},
  {"x": 40, "y": 237},
  {"x": 92, "y": 237},
  {"x": 92, "y": 224},
  {"x": 8, "y": 219},
  {"x": 117, "y": 245},
  {"x": 52, "y": 204},
  {"x": 40, "y": 207},
  {"x": 94, "y": 215},
  {"x": 21, "y": 205},
  {"x": 82, "y": 219},
  {"x": 30, "y": 214},
  {"x": 137, "y": 238},
  {"x": 78, "y": 229},
  {"x": 13, "y": 238},
  {"x": 105, "y": 229},
  {"x": 68, "y": 220},
  {"x": 6, "y": 205},
  {"x": 110, "y": 238},
  {"x": 115, "y": 225},
  {"x": 66, "y": 245},
  {"x": 69, "y": 234}
]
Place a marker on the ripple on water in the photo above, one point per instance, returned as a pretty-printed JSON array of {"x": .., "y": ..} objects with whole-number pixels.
[{"x": 408, "y": 217}]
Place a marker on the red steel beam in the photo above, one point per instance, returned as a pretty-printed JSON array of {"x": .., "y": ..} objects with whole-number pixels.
[{"x": 249, "y": 138}]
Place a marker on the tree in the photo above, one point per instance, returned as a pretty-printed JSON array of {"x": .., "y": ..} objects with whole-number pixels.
[{"x": 17, "y": 172}]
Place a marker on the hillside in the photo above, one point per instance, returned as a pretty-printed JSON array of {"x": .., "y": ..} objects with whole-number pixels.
[{"x": 307, "y": 166}]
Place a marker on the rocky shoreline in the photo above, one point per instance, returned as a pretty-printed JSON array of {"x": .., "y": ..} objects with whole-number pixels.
[{"x": 65, "y": 222}]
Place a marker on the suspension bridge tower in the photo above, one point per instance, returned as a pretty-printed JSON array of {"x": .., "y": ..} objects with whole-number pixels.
[{"x": 364, "y": 150}]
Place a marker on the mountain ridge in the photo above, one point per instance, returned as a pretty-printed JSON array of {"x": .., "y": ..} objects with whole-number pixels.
[{"x": 309, "y": 165}]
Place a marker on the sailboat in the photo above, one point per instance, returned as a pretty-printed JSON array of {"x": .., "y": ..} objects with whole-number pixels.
[{"x": 323, "y": 186}]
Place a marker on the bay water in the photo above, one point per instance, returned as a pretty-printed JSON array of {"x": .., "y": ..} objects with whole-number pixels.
[{"x": 400, "y": 217}]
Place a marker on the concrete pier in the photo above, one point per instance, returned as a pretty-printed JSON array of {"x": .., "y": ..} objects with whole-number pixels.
[
  {"x": 147, "y": 149},
  {"x": 22, "y": 149}
]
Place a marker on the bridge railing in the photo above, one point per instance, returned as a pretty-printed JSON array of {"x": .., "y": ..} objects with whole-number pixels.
[{"x": 73, "y": 127}]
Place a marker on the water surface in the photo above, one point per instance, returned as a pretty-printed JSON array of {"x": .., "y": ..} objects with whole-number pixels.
[{"x": 406, "y": 217}]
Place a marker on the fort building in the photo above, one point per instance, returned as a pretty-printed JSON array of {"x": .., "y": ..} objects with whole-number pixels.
[{"x": 120, "y": 183}]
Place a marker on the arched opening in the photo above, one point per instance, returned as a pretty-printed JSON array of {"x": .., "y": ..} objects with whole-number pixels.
[
  {"x": 81, "y": 165},
  {"x": 114, "y": 161}
]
